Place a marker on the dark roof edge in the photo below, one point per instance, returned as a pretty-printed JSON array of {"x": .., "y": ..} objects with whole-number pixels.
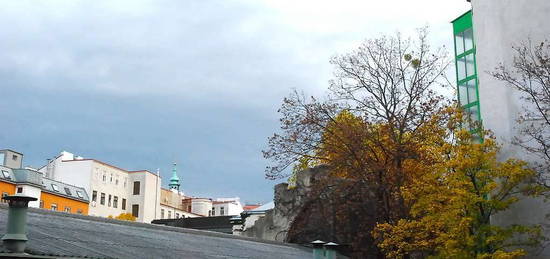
[
  {"x": 11, "y": 150},
  {"x": 153, "y": 226}
]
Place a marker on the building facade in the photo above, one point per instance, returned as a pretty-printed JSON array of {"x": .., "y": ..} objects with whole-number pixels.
[
  {"x": 50, "y": 194},
  {"x": 226, "y": 207},
  {"x": 199, "y": 206},
  {"x": 11, "y": 159},
  {"x": 484, "y": 38},
  {"x": 113, "y": 190},
  {"x": 171, "y": 205}
]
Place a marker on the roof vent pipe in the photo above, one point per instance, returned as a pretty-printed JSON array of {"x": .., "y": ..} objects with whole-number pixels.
[
  {"x": 16, "y": 237},
  {"x": 330, "y": 250},
  {"x": 318, "y": 252}
]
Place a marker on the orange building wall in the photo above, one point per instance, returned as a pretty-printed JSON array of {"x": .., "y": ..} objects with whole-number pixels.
[
  {"x": 63, "y": 202},
  {"x": 7, "y": 187}
]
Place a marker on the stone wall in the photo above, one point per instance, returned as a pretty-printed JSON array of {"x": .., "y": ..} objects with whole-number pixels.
[{"x": 288, "y": 203}]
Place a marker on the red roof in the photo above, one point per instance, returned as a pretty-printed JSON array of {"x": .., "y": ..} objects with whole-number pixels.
[{"x": 251, "y": 207}]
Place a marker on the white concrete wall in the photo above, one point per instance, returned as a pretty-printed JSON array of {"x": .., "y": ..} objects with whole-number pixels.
[
  {"x": 109, "y": 186},
  {"x": 31, "y": 191},
  {"x": 499, "y": 25},
  {"x": 201, "y": 206},
  {"x": 76, "y": 173},
  {"x": 149, "y": 196},
  {"x": 173, "y": 212},
  {"x": 229, "y": 208}
]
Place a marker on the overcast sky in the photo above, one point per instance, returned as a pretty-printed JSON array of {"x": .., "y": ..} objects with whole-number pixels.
[{"x": 140, "y": 84}]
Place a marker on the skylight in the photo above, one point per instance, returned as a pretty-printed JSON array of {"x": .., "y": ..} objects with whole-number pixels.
[{"x": 6, "y": 174}]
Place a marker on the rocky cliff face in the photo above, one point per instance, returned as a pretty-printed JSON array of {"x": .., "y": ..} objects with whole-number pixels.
[{"x": 289, "y": 202}]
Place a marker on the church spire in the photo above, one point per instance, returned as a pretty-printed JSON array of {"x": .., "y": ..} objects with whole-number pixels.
[{"x": 174, "y": 180}]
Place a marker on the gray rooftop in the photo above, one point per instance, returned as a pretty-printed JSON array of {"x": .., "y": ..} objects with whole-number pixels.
[
  {"x": 61, "y": 234},
  {"x": 64, "y": 189}
]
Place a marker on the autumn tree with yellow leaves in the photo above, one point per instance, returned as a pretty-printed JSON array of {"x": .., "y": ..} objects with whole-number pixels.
[
  {"x": 453, "y": 200},
  {"x": 124, "y": 216},
  {"x": 405, "y": 181},
  {"x": 368, "y": 127}
]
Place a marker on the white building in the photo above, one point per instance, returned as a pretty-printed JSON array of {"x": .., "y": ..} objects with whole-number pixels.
[
  {"x": 226, "y": 207},
  {"x": 199, "y": 206},
  {"x": 113, "y": 190},
  {"x": 484, "y": 38}
]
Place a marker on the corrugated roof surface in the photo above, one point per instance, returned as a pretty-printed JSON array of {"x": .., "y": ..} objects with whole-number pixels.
[{"x": 60, "y": 234}]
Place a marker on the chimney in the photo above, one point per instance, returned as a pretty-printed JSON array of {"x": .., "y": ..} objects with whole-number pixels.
[
  {"x": 318, "y": 252},
  {"x": 16, "y": 237},
  {"x": 330, "y": 250}
]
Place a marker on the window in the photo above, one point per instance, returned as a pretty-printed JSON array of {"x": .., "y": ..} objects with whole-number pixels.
[
  {"x": 459, "y": 43},
  {"x": 14, "y": 157},
  {"x": 109, "y": 202},
  {"x": 124, "y": 182},
  {"x": 67, "y": 209},
  {"x": 213, "y": 211},
  {"x": 104, "y": 177},
  {"x": 123, "y": 204},
  {"x": 4, "y": 194},
  {"x": 19, "y": 189},
  {"x": 116, "y": 181},
  {"x": 470, "y": 67},
  {"x": 115, "y": 202},
  {"x": 41, "y": 204},
  {"x": 80, "y": 194},
  {"x": 102, "y": 201},
  {"x": 111, "y": 179},
  {"x": 189, "y": 208},
  {"x": 6, "y": 174},
  {"x": 464, "y": 41},
  {"x": 68, "y": 191},
  {"x": 136, "y": 187},
  {"x": 54, "y": 206},
  {"x": 468, "y": 39},
  {"x": 209, "y": 213},
  {"x": 169, "y": 214},
  {"x": 221, "y": 211},
  {"x": 135, "y": 210},
  {"x": 55, "y": 188},
  {"x": 467, "y": 81},
  {"x": 161, "y": 213},
  {"x": 94, "y": 196},
  {"x": 177, "y": 215},
  {"x": 79, "y": 211}
]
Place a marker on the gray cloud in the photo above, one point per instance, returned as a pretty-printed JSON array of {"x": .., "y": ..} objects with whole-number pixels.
[{"x": 142, "y": 83}]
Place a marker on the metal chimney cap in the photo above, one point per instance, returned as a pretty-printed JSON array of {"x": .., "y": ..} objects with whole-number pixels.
[
  {"x": 19, "y": 197},
  {"x": 318, "y": 242},
  {"x": 331, "y": 244}
]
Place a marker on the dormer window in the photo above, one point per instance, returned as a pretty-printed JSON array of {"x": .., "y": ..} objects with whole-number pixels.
[
  {"x": 55, "y": 188},
  {"x": 79, "y": 194},
  {"x": 68, "y": 191},
  {"x": 6, "y": 174}
]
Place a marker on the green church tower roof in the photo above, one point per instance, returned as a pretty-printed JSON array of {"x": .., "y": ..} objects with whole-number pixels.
[{"x": 174, "y": 180}]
